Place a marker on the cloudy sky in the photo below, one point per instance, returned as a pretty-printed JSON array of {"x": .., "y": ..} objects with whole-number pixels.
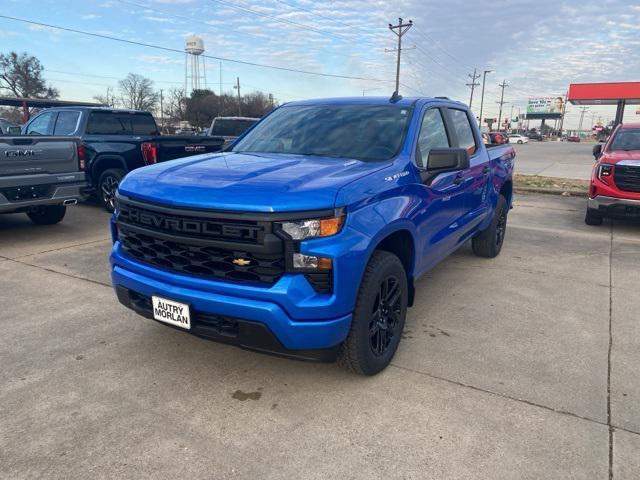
[{"x": 537, "y": 47}]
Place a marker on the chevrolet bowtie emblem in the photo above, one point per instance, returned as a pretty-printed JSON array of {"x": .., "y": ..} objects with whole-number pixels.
[{"x": 243, "y": 262}]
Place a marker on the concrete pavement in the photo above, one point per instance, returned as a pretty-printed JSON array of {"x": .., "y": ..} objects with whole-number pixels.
[
  {"x": 524, "y": 366},
  {"x": 555, "y": 159}
]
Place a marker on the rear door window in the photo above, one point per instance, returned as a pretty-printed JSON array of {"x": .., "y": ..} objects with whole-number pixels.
[
  {"x": 41, "y": 125},
  {"x": 464, "y": 132},
  {"x": 432, "y": 135},
  {"x": 114, "y": 123},
  {"x": 66, "y": 123}
]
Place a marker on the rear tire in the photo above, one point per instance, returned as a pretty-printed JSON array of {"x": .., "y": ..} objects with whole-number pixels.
[
  {"x": 520, "y": 142},
  {"x": 47, "y": 214},
  {"x": 107, "y": 187},
  {"x": 592, "y": 217},
  {"x": 378, "y": 319},
  {"x": 488, "y": 243}
]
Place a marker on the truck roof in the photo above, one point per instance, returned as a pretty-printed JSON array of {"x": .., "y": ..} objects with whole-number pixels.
[
  {"x": 100, "y": 109},
  {"x": 403, "y": 102},
  {"x": 630, "y": 125}
]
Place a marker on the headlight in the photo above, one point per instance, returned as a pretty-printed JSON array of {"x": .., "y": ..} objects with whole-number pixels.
[{"x": 320, "y": 227}]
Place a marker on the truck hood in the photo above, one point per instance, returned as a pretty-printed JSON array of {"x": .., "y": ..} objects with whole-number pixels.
[
  {"x": 246, "y": 182},
  {"x": 616, "y": 156}
]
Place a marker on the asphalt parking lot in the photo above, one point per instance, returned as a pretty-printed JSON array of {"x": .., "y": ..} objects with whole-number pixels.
[
  {"x": 522, "y": 367},
  {"x": 555, "y": 159}
]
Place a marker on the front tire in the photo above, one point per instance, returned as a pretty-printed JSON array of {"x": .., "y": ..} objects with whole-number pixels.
[
  {"x": 593, "y": 217},
  {"x": 520, "y": 142},
  {"x": 488, "y": 243},
  {"x": 47, "y": 214},
  {"x": 108, "y": 186},
  {"x": 379, "y": 316}
]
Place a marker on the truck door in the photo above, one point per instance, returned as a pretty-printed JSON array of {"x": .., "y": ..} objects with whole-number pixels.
[
  {"x": 476, "y": 178},
  {"x": 443, "y": 196}
]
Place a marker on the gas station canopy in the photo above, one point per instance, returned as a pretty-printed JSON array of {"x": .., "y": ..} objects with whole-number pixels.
[
  {"x": 604, "y": 93},
  {"x": 617, "y": 93}
]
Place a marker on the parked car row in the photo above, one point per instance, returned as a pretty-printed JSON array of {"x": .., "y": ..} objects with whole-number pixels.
[{"x": 65, "y": 154}]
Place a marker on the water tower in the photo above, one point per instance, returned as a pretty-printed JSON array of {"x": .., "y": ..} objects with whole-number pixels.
[{"x": 195, "y": 77}]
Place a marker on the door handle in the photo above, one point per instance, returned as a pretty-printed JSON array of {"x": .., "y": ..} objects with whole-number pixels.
[
  {"x": 485, "y": 169},
  {"x": 458, "y": 180}
]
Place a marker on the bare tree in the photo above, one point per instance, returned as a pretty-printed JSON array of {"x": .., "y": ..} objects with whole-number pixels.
[
  {"x": 108, "y": 99},
  {"x": 136, "y": 92},
  {"x": 175, "y": 105},
  {"x": 21, "y": 75}
]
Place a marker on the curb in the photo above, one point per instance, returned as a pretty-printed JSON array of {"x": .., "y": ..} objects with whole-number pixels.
[{"x": 574, "y": 192}]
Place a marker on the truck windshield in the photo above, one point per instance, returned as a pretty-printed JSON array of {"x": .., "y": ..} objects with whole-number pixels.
[
  {"x": 230, "y": 127},
  {"x": 626, "y": 139},
  {"x": 367, "y": 133}
]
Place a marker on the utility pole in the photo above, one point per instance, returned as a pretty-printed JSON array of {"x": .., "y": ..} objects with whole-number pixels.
[
  {"x": 473, "y": 84},
  {"x": 582, "y": 112},
  {"x": 484, "y": 79},
  {"x": 220, "y": 78},
  {"x": 501, "y": 102},
  {"x": 161, "y": 113},
  {"x": 237, "y": 86},
  {"x": 511, "y": 117},
  {"x": 401, "y": 28}
]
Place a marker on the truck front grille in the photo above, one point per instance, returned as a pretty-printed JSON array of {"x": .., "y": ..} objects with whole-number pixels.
[
  {"x": 627, "y": 177},
  {"x": 199, "y": 260},
  {"x": 215, "y": 245}
]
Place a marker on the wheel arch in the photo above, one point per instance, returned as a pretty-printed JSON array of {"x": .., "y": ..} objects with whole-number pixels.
[
  {"x": 104, "y": 162},
  {"x": 401, "y": 243}
]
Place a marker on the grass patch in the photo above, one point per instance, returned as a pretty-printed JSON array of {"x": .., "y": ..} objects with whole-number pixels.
[{"x": 550, "y": 183}]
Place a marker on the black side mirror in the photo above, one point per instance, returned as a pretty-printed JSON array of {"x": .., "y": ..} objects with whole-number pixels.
[
  {"x": 447, "y": 160},
  {"x": 597, "y": 150}
]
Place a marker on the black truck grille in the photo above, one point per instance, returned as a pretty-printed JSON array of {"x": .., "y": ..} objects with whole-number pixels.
[
  {"x": 627, "y": 177},
  {"x": 201, "y": 243},
  {"x": 201, "y": 260}
]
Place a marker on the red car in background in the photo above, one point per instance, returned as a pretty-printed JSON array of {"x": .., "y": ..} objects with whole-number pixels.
[{"x": 615, "y": 181}]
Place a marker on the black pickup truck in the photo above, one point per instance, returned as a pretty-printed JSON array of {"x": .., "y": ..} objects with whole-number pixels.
[{"x": 116, "y": 141}]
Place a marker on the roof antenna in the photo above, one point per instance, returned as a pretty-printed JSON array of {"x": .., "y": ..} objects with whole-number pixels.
[{"x": 396, "y": 97}]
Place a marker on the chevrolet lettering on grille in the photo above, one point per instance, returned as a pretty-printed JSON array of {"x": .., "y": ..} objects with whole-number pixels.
[{"x": 189, "y": 226}]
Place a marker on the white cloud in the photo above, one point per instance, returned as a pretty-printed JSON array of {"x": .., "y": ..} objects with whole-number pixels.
[{"x": 91, "y": 16}]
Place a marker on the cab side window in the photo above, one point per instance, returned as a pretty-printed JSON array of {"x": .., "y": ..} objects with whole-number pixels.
[
  {"x": 432, "y": 135},
  {"x": 66, "y": 123},
  {"x": 41, "y": 125},
  {"x": 460, "y": 123}
]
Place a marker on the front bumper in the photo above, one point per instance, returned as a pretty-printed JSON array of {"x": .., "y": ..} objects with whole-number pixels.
[
  {"x": 60, "y": 187},
  {"x": 257, "y": 324},
  {"x": 615, "y": 207}
]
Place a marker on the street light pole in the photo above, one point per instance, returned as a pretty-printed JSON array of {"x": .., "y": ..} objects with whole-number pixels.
[{"x": 484, "y": 79}]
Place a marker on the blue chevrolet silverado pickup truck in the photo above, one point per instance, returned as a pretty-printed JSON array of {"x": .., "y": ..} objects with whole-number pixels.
[{"x": 306, "y": 237}]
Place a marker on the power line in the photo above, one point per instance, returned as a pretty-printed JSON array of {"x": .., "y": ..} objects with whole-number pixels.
[
  {"x": 209, "y": 26},
  {"x": 433, "y": 41},
  {"x": 279, "y": 19},
  {"x": 175, "y": 50}
]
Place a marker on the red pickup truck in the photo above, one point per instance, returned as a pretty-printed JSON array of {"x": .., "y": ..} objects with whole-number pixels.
[{"x": 615, "y": 181}]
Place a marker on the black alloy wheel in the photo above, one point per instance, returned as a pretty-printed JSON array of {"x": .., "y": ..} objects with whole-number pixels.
[{"x": 385, "y": 317}]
